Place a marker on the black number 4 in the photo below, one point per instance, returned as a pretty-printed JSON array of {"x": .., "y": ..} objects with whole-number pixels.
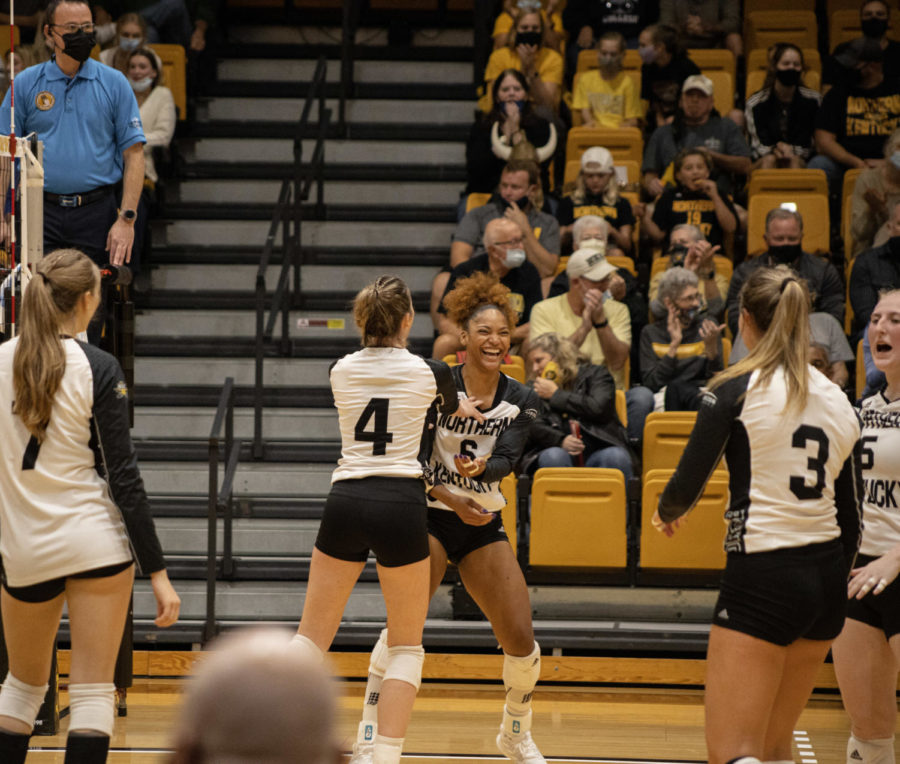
[
  {"x": 802, "y": 435},
  {"x": 379, "y": 436}
]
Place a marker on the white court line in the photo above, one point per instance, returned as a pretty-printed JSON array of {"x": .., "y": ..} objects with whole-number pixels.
[{"x": 804, "y": 747}]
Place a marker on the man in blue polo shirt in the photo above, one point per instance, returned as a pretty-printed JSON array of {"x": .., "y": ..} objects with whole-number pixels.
[{"x": 87, "y": 116}]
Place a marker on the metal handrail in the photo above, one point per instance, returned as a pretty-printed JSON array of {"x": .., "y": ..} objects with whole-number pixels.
[
  {"x": 220, "y": 500},
  {"x": 288, "y": 216},
  {"x": 350, "y": 19}
]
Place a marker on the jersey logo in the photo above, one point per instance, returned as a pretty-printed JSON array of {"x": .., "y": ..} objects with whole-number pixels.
[
  {"x": 44, "y": 100},
  {"x": 723, "y": 614},
  {"x": 529, "y": 414},
  {"x": 708, "y": 398},
  {"x": 136, "y": 123},
  {"x": 121, "y": 389}
]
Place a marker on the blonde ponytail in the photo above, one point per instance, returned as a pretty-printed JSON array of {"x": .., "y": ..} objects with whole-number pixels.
[{"x": 39, "y": 363}]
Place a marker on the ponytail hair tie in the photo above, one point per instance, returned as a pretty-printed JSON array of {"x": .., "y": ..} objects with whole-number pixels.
[
  {"x": 784, "y": 283},
  {"x": 44, "y": 277}
]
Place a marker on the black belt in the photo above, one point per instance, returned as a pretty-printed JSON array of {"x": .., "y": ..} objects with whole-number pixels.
[{"x": 78, "y": 200}]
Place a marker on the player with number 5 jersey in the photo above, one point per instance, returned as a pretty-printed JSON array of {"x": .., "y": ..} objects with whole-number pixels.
[
  {"x": 387, "y": 399},
  {"x": 791, "y": 441}
]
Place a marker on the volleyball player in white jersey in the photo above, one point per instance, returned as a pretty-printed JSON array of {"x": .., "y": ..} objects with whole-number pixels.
[
  {"x": 72, "y": 511},
  {"x": 469, "y": 460},
  {"x": 790, "y": 438},
  {"x": 386, "y": 399},
  {"x": 867, "y": 653}
]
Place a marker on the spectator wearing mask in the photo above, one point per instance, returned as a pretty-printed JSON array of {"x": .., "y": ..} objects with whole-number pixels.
[
  {"x": 705, "y": 23},
  {"x": 781, "y": 116},
  {"x": 697, "y": 124},
  {"x": 874, "y": 270},
  {"x": 874, "y": 193},
  {"x": 597, "y": 193},
  {"x": 874, "y": 21},
  {"x": 783, "y": 237},
  {"x": 553, "y": 22},
  {"x": 664, "y": 69},
  {"x": 606, "y": 96},
  {"x": 504, "y": 257},
  {"x": 131, "y": 34},
  {"x": 680, "y": 354}
]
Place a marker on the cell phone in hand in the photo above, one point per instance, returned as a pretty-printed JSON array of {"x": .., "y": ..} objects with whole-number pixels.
[{"x": 575, "y": 429}]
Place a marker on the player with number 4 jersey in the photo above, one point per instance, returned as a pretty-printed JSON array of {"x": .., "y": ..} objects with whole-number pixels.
[
  {"x": 387, "y": 399},
  {"x": 791, "y": 441}
]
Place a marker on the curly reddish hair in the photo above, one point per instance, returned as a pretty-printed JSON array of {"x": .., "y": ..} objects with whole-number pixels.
[{"x": 474, "y": 293}]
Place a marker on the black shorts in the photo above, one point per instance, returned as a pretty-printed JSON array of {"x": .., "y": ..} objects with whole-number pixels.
[
  {"x": 879, "y": 610},
  {"x": 785, "y": 594},
  {"x": 457, "y": 538},
  {"x": 48, "y": 590},
  {"x": 384, "y": 514}
]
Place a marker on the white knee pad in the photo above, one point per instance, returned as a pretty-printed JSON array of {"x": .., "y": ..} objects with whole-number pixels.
[
  {"x": 878, "y": 751},
  {"x": 21, "y": 701},
  {"x": 404, "y": 663},
  {"x": 306, "y": 647},
  {"x": 522, "y": 673},
  {"x": 379, "y": 659},
  {"x": 92, "y": 707}
]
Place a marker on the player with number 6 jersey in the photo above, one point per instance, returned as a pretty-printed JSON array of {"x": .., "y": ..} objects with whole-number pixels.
[
  {"x": 791, "y": 441},
  {"x": 867, "y": 653},
  {"x": 387, "y": 399}
]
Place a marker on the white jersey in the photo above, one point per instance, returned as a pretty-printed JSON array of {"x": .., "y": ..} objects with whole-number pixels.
[
  {"x": 500, "y": 439},
  {"x": 383, "y": 397},
  {"x": 65, "y": 503},
  {"x": 794, "y": 477},
  {"x": 881, "y": 474}
]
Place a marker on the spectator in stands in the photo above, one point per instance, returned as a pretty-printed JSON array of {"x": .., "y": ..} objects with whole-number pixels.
[
  {"x": 234, "y": 709},
  {"x": 606, "y": 96},
  {"x": 874, "y": 193},
  {"x": 577, "y": 424},
  {"x": 820, "y": 359},
  {"x": 875, "y": 269},
  {"x": 511, "y": 121},
  {"x": 783, "y": 237},
  {"x": 597, "y": 193},
  {"x": 856, "y": 118},
  {"x": 42, "y": 47},
  {"x": 680, "y": 354},
  {"x": 178, "y": 22},
  {"x": 665, "y": 68},
  {"x": 131, "y": 34},
  {"x": 705, "y": 23},
  {"x": 697, "y": 123},
  {"x": 586, "y": 20},
  {"x": 694, "y": 199},
  {"x": 528, "y": 52},
  {"x": 875, "y": 20},
  {"x": 553, "y": 22},
  {"x": 505, "y": 258},
  {"x": 157, "y": 109},
  {"x": 689, "y": 249},
  {"x": 15, "y": 62},
  {"x": 781, "y": 116}
]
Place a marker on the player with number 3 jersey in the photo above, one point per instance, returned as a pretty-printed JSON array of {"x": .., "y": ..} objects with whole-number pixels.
[
  {"x": 386, "y": 399},
  {"x": 791, "y": 440},
  {"x": 867, "y": 653}
]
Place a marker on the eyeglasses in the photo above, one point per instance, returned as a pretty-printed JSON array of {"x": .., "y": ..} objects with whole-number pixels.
[
  {"x": 510, "y": 243},
  {"x": 73, "y": 28}
]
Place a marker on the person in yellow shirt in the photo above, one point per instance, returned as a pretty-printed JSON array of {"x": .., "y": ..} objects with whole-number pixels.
[
  {"x": 527, "y": 52},
  {"x": 607, "y": 96}
]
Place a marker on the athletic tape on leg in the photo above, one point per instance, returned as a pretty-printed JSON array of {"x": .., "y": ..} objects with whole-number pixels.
[
  {"x": 405, "y": 664},
  {"x": 521, "y": 674},
  {"x": 92, "y": 707},
  {"x": 307, "y": 647},
  {"x": 21, "y": 701},
  {"x": 876, "y": 751},
  {"x": 379, "y": 658}
]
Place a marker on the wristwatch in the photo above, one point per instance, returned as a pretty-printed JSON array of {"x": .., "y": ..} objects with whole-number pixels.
[
  {"x": 710, "y": 275},
  {"x": 603, "y": 323},
  {"x": 129, "y": 216}
]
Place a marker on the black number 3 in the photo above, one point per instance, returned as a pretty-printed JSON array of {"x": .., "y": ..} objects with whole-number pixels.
[
  {"x": 379, "y": 436},
  {"x": 802, "y": 435}
]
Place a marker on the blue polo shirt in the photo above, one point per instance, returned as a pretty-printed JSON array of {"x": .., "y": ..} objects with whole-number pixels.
[{"x": 85, "y": 122}]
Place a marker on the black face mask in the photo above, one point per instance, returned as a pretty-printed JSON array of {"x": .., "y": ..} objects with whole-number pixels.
[
  {"x": 874, "y": 28},
  {"x": 528, "y": 38},
  {"x": 894, "y": 245},
  {"x": 522, "y": 202},
  {"x": 79, "y": 45},
  {"x": 788, "y": 77},
  {"x": 677, "y": 254},
  {"x": 783, "y": 254}
]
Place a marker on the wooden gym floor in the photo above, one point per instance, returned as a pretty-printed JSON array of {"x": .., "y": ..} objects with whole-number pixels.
[{"x": 455, "y": 722}]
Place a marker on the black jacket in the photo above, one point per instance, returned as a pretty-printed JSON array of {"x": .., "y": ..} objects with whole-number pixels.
[
  {"x": 873, "y": 270},
  {"x": 658, "y": 371}
]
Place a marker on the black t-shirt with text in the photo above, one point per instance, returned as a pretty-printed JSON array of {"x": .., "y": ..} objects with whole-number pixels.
[
  {"x": 616, "y": 215},
  {"x": 861, "y": 119},
  {"x": 677, "y": 206}
]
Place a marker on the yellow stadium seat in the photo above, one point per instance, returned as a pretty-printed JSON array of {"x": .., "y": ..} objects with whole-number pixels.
[
  {"x": 758, "y": 60},
  {"x": 860, "y": 369},
  {"x": 623, "y": 261},
  {"x": 788, "y": 181},
  {"x": 513, "y": 370},
  {"x": 723, "y": 89},
  {"x": 579, "y": 518},
  {"x": 622, "y": 143},
  {"x": 756, "y": 78},
  {"x": 777, "y": 5},
  {"x": 622, "y": 407},
  {"x": 517, "y": 360},
  {"x": 174, "y": 74},
  {"x": 813, "y": 208},
  {"x": 765, "y": 28},
  {"x": 508, "y": 513},
  {"x": 697, "y": 544},
  {"x": 666, "y": 434},
  {"x": 476, "y": 200},
  {"x": 840, "y": 5},
  {"x": 726, "y": 352},
  {"x": 713, "y": 59},
  {"x": 724, "y": 266}
]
